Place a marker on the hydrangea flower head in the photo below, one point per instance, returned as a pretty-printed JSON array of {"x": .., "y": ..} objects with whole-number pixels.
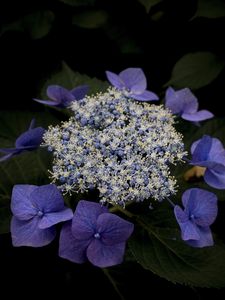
[
  {"x": 209, "y": 152},
  {"x": 27, "y": 141},
  {"x": 132, "y": 82},
  {"x": 61, "y": 97},
  {"x": 121, "y": 147},
  {"x": 96, "y": 235},
  {"x": 200, "y": 211},
  {"x": 185, "y": 104},
  {"x": 36, "y": 209}
]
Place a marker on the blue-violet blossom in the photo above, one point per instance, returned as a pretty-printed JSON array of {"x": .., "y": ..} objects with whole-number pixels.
[
  {"x": 185, "y": 104},
  {"x": 27, "y": 141},
  {"x": 94, "y": 234},
  {"x": 61, "y": 97},
  {"x": 200, "y": 211},
  {"x": 122, "y": 147},
  {"x": 132, "y": 82},
  {"x": 36, "y": 209},
  {"x": 209, "y": 153}
]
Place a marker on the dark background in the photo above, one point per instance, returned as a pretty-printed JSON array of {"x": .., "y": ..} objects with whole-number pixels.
[{"x": 130, "y": 38}]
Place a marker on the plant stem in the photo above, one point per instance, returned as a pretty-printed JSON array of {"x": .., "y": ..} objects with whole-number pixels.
[
  {"x": 122, "y": 210},
  {"x": 112, "y": 281}
]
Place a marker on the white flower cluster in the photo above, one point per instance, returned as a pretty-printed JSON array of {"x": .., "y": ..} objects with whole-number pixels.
[{"x": 119, "y": 146}]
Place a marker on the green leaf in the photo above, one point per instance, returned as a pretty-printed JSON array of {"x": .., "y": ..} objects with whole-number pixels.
[
  {"x": 195, "y": 70},
  {"x": 110, "y": 275},
  {"x": 26, "y": 168},
  {"x": 78, "y": 2},
  {"x": 37, "y": 24},
  {"x": 210, "y": 9},
  {"x": 90, "y": 19},
  {"x": 157, "y": 246},
  {"x": 69, "y": 79},
  {"x": 148, "y": 4}
]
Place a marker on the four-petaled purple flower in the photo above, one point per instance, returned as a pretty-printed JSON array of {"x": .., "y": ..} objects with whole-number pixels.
[
  {"x": 209, "y": 152},
  {"x": 35, "y": 210},
  {"x": 133, "y": 82},
  {"x": 200, "y": 211},
  {"x": 96, "y": 234},
  {"x": 27, "y": 141},
  {"x": 61, "y": 97},
  {"x": 185, "y": 104}
]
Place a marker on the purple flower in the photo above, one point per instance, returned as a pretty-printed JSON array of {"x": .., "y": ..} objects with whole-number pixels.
[
  {"x": 200, "y": 211},
  {"x": 133, "y": 81},
  {"x": 61, "y": 97},
  {"x": 35, "y": 210},
  {"x": 209, "y": 152},
  {"x": 27, "y": 141},
  {"x": 96, "y": 234},
  {"x": 184, "y": 103}
]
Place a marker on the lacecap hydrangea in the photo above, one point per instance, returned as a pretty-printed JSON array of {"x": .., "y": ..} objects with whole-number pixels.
[{"x": 117, "y": 145}]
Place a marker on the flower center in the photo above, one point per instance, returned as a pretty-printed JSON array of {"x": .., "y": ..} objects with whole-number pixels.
[
  {"x": 97, "y": 235},
  {"x": 192, "y": 217},
  {"x": 40, "y": 213}
]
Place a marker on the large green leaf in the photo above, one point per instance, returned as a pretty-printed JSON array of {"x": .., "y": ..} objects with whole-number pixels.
[
  {"x": 195, "y": 70},
  {"x": 157, "y": 246},
  {"x": 90, "y": 19},
  {"x": 37, "y": 24},
  {"x": 210, "y": 9},
  {"x": 69, "y": 79},
  {"x": 26, "y": 168},
  {"x": 148, "y": 4},
  {"x": 78, "y": 2}
]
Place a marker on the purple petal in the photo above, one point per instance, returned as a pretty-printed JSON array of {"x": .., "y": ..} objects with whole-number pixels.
[
  {"x": 216, "y": 148},
  {"x": 80, "y": 92},
  {"x": 189, "y": 101},
  {"x": 215, "y": 177},
  {"x": 51, "y": 219},
  {"x": 47, "y": 102},
  {"x": 145, "y": 96},
  {"x": 217, "y": 157},
  {"x": 85, "y": 219},
  {"x": 104, "y": 256},
  {"x": 205, "y": 239},
  {"x": 8, "y": 150},
  {"x": 188, "y": 228},
  {"x": 48, "y": 199},
  {"x": 200, "y": 115},
  {"x": 134, "y": 80},
  {"x": 172, "y": 102},
  {"x": 209, "y": 165},
  {"x": 113, "y": 229},
  {"x": 70, "y": 248},
  {"x": 180, "y": 215},
  {"x": 217, "y": 152},
  {"x": 202, "y": 205},
  {"x": 182, "y": 101},
  {"x": 201, "y": 149},
  {"x": 21, "y": 203},
  {"x": 31, "y": 138},
  {"x": 7, "y": 156},
  {"x": 60, "y": 94},
  {"x": 115, "y": 80},
  {"x": 27, "y": 233},
  {"x": 32, "y": 124}
]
